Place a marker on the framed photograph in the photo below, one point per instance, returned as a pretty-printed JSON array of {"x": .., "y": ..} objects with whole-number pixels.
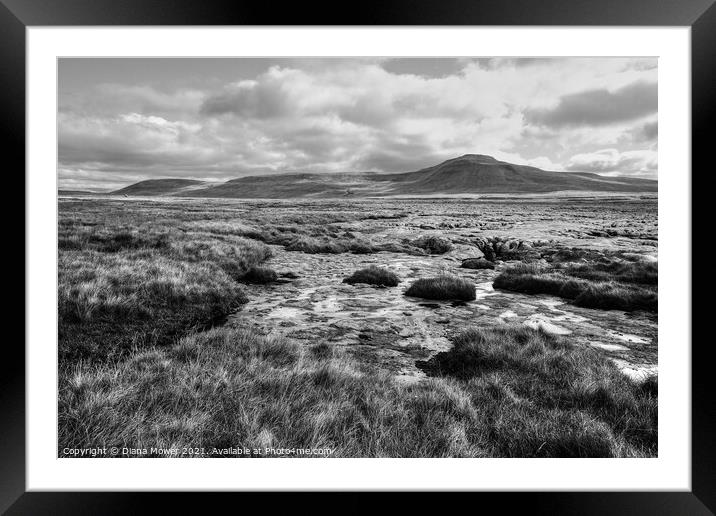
[{"x": 425, "y": 247}]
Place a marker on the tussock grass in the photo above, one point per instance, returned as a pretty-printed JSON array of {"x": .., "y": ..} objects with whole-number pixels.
[
  {"x": 260, "y": 275},
  {"x": 610, "y": 296},
  {"x": 108, "y": 304},
  {"x": 619, "y": 285},
  {"x": 320, "y": 243},
  {"x": 133, "y": 283},
  {"x": 433, "y": 244},
  {"x": 234, "y": 255},
  {"x": 443, "y": 287},
  {"x": 112, "y": 241},
  {"x": 477, "y": 263},
  {"x": 373, "y": 275},
  {"x": 640, "y": 273},
  {"x": 550, "y": 381},
  {"x": 328, "y": 232},
  {"x": 505, "y": 392},
  {"x": 139, "y": 281},
  {"x": 305, "y": 234},
  {"x": 327, "y": 245}
]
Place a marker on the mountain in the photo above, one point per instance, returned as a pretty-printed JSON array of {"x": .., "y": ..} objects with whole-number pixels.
[
  {"x": 484, "y": 174},
  {"x": 468, "y": 174},
  {"x": 288, "y": 186},
  {"x": 160, "y": 187}
]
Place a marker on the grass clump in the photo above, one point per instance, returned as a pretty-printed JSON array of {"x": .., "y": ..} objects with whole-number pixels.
[
  {"x": 477, "y": 263},
  {"x": 327, "y": 245},
  {"x": 639, "y": 273},
  {"x": 433, "y": 244},
  {"x": 444, "y": 287},
  {"x": 142, "y": 277},
  {"x": 504, "y": 392},
  {"x": 609, "y": 296},
  {"x": 624, "y": 286},
  {"x": 373, "y": 275},
  {"x": 555, "y": 399},
  {"x": 112, "y": 241},
  {"x": 110, "y": 303},
  {"x": 257, "y": 274}
]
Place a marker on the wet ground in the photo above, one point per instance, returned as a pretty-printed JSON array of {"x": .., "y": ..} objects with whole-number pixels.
[
  {"x": 382, "y": 326},
  {"x": 385, "y": 328}
]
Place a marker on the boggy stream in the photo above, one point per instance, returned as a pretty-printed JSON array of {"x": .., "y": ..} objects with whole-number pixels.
[{"x": 385, "y": 328}]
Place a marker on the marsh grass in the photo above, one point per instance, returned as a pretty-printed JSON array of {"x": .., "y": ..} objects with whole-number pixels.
[
  {"x": 325, "y": 245},
  {"x": 136, "y": 284},
  {"x": 551, "y": 376},
  {"x": 506, "y": 392},
  {"x": 639, "y": 273},
  {"x": 257, "y": 274},
  {"x": 433, "y": 244},
  {"x": 327, "y": 232},
  {"x": 109, "y": 241},
  {"x": 321, "y": 239},
  {"x": 373, "y": 275},
  {"x": 129, "y": 283},
  {"x": 477, "y": 263},
  {"x": 108, "y": 304},
  {"x": 624, "y": 286},
  {"x": 443, "y": 287}
]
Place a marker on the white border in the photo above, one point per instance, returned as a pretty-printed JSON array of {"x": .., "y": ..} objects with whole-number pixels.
[{"x": 671, "y": 470}]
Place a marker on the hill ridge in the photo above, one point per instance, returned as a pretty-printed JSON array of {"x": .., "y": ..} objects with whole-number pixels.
[{"x": 466, "y": 174}]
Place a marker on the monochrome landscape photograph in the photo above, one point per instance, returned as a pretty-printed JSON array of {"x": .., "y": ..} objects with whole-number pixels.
[{"x": 357, "y": 257}]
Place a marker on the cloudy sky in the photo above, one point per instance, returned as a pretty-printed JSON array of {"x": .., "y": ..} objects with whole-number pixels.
[{"x": 125, "y": 120}]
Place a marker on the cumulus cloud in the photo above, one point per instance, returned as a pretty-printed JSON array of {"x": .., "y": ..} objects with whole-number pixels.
[
  {"x": 363, "y": 93},
  {"x": 383, "y": 115},
  {"x": 599, "y": 107},
  {"x": 250, "y": 98},
  {"x": 111, "y": 99},
  {"x": 132, "y": 139},
  {"x": 637, "y": 162},
  {"x": 544, "y": 163},
  {"x": 646, "y": 132}
]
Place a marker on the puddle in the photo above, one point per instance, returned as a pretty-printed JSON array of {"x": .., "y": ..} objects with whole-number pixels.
[
  {"x": 284, "y": 312},
  {"x": 635, "y": 339},
  {"x": 551, "y": 303},
  {"x": 636, "y": 372},
  {"x": 482, "y": 290},
  {"x": 609, "y": 347},
  {"x": 387, "y": 328},
  {"x": 541, "y": 323},
  {"x": 429, "y": 305},
  {"x": 330, "y": 305}
]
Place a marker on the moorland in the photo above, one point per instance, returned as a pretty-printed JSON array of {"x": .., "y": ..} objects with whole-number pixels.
[{"x": 504, "y": 327}]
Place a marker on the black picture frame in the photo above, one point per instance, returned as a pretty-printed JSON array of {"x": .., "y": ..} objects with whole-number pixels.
[{"x": 17, "y": 15}]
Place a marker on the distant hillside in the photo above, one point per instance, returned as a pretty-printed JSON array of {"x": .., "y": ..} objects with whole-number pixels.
[
  {"x": 75, "y": 192},
  {"x": 475, "y": 173},
  {"x": 160, "y": 187},
  {"x": 288, "y": 186},
  {"x": 469, "y": 174}
]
